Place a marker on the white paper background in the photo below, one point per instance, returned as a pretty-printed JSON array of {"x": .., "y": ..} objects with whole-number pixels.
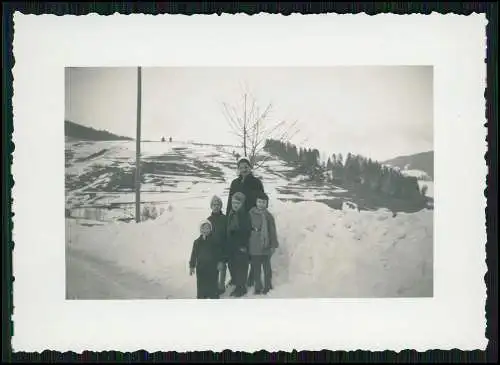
[{"x": 454, "y": 318}]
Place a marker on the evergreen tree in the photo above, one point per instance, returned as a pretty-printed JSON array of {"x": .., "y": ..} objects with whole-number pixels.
[
  {"x": 316, "y": 157},
  {"x": 355, "y": 169}
]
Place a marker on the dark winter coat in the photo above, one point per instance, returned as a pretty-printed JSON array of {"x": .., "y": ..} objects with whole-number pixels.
[
  {"x": 250, "y": 186},
  {"x": 219, "y": 231},
  {"x": 238, "y": 239},
  {"x": 206, "y": 252}
]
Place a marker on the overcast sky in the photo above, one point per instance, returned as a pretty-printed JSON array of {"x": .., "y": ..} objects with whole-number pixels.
[{"x": 378, "y": 111}]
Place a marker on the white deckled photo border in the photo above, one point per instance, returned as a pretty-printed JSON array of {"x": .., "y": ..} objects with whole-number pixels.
[{"x": 454, "y": 318}]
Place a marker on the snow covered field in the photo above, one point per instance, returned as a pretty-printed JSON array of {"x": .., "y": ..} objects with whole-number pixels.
[
  {"x": 173, "y": 172},
  {"x": 323, "y": 252}
]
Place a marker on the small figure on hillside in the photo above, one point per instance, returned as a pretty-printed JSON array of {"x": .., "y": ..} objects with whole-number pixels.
[
  {"x": 206, "y": 260},
  {"x": 163, "y": 139},
  {"x": 170, "y": 139},
  {"x": 239, "y": 229},
  {"x": 219, "y": 224},
  {"x": 263, "y": 243}
]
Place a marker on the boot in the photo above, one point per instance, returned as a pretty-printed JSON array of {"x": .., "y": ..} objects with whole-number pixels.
[
  {"x": 239, "y": 292},
  {"x": 243, "y": 291},
  {"x": 267, "y": 288}
]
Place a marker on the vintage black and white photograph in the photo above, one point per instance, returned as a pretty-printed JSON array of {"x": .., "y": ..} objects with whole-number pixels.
[
  {"x": 249, "y": 182},
  {"x": 264, "y": 182}
]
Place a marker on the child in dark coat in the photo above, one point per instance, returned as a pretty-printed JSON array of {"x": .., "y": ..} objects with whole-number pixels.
[
  {"x": 206, "y": 260},
  {"x": 263, "y": 243},
  {"x": 239, "y": 229},
  {"x": 219, "y": 224}
]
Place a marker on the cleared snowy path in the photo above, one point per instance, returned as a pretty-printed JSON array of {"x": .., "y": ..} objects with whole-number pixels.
[{"x": 91, "y": 278}]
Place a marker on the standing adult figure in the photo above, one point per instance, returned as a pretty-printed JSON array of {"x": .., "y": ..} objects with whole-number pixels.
[
  {"x": 251, "y": 187},
  {"x": 245, "y": 183}
]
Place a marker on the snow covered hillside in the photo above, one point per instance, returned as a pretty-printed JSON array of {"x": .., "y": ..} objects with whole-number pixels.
[
  {"x": 323, "y": 252},
  {"x": 100, "y": 177},
  {"x": 421, "y": 175}
]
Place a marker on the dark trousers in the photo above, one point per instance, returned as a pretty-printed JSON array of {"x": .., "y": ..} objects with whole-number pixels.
[
  {"x": 259, "y": 263},
  {"x": 250, "y": 280},
  {"x": 251, "y": 275},
  {"x": 238, "y": 267},
  {"x": 222, "y": 277},
  {"x": 230, "y": 269},
  {"x": 206, "y": 281}
]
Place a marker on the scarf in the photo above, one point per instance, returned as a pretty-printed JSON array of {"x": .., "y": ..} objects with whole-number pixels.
[
  {"x": 264, "y": 229},
  {"x": 234, "y": 222}
]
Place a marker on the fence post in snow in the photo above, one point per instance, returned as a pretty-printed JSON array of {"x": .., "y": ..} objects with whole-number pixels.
[{"x": 138, "y": 150}]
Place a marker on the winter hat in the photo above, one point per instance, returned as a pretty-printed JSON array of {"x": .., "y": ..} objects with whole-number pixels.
[
  {"x": 244, "y": 159},
  {"x": 216, "y": 199},
  {"x": 206, "y": 222},
  {"x": 239, "y": 196}
]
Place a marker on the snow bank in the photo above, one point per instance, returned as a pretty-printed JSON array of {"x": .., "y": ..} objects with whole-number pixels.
[
  {"x": 323, "y": 252},
  {"x": 157, "y": 250},
  {"x": 332, "y": 253},
  {"x": 430, "y": 187},
  {"x": 419, "y": 174}
]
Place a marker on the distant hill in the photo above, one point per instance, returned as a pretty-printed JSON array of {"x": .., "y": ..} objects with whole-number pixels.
[
  {"x": 423, "y": 161},
  {"x": 80, "y": 132}
]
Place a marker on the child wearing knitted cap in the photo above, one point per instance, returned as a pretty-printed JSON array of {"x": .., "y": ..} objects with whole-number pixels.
[
  {"x": 239, "y": 229},
  {"x": 206, "y": 258},
  {"x": 219, "y": 224}
]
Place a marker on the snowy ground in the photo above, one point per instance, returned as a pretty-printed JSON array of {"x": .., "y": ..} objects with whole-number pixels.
[
  {"x": 173, "y": 172},
  {"x": 90, "y": 277},
  {"x": 323, "y": 252},
  {"x": 430, "y": 187}
]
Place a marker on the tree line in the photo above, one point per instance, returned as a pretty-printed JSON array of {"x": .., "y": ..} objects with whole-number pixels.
[
  {"x": 349, "y": 170},
  {"x": 81, "y": 132}
]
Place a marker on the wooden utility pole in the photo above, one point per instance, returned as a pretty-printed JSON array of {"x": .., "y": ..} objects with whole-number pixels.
[
  {"x": 245, "y": 125},
  {"x": 138, "y": 150}
]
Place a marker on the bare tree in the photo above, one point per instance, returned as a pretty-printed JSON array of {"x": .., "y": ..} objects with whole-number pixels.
[{"x": 252, "y": 126}]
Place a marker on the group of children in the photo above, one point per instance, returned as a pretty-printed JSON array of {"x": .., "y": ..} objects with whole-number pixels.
[{"x": 234, "y": 241}]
